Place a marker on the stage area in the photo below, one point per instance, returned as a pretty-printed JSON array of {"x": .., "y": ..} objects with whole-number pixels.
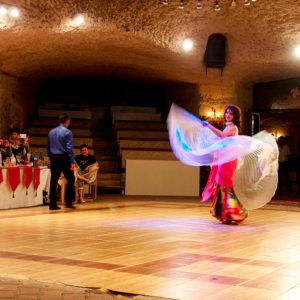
[{"x": 155, "y": 246}]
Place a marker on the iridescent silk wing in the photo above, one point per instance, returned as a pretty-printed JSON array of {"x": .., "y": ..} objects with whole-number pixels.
[
  {"x": 256, "y": 177},
  {"x": 196, "y": 145},
  {"x": 189, "y": 139}
]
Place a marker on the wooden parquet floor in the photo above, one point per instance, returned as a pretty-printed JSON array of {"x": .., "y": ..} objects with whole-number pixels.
[{"x": 161, "y": 247}]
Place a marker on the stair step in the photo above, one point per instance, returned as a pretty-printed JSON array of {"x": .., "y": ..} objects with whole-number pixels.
[
  {"x": 109, "y": 168},
  {"x": 139, "y": 125},
  {"x": 38, "y": 131},
  {"x": 107, "y": 163},
  {"x": 112, "y": 188},
  {"x": 109, "y": 176},
  {"x": 108, "y": 157},
  {"x": 134, "y": 109},
  {"x": 104, "y": 152},
  {"x": 142, "y": 134},
  {"x": 112, "y": 145},
  {"x": 43, "y": 149},
  {"x": 53, "y": 122},
  {"x": 52, "y": 113},
  {"x": 107, "y": 183},
  {"x": 136, "y": 116},
  {"x": 43, "y": 141},
  {"x": 102, "y": 135},
  {"x": 103, "y": 141},
  {"x": 140, "y": 144},
  {"x": 64, "y": 106}
]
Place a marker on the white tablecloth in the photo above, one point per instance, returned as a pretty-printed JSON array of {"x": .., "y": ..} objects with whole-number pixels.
[{"x": 20, "y": 198}]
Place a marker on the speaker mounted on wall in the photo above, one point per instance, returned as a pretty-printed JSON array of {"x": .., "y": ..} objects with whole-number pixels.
[{"x": 215, "y": 52}]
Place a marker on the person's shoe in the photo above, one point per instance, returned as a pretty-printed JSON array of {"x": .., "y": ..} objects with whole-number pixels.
[
  {"x": 54, "y": 207},
  {"x": 71, "y": 206},
  {"x": 81, "y": 201}
]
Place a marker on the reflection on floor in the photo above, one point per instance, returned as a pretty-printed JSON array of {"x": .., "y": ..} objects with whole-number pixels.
[{"x": 163, "y": 247}]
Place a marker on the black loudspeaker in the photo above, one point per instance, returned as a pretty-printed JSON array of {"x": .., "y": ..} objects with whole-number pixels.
[{"x": 215, "y": 53}]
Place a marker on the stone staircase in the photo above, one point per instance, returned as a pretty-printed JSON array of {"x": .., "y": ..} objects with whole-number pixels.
[
  {"x": 113, "y": 134},
  {"x": 99, "y": 138},
  {"x": 106, "y": 152},
  {"x": 140, "y": 133}
]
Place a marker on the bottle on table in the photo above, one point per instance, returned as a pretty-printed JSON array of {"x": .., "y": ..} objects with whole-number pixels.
[
  {"x": 41, "y": 159},
  {"x": 13, "y": 160},
  {"x": 35, "y": 160},
  {"x": 31, "y": 159}
]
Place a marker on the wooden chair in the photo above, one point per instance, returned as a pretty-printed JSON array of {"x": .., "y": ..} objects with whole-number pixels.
[
  {"x": 90, "y": 179},
  {"x": 62, "y": 188}
]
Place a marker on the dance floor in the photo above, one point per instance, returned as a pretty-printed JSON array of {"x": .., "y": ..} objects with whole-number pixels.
[{"x": 161, "y": 247}]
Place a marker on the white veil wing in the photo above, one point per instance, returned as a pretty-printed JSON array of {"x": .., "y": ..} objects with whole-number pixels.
[
  {"x": 256, "y": 177},
  {"x": 196, "y": 145},
  {"x": 188, "y": 138}
]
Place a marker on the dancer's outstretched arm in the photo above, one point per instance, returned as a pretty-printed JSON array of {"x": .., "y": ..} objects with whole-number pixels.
[{"x": 228, "y": 131}]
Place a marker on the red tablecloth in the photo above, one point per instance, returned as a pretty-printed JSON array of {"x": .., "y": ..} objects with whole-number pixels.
[
  {"x": 27, "y": 177},
  {"x": 36, "y": 178},
  {"x": 13, "y": 175}
]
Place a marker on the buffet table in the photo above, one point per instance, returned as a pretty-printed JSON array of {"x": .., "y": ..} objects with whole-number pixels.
[{"x": 14, "y": 182}]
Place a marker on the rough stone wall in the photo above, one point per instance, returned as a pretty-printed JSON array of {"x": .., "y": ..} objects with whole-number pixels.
[
  {"x": 184, "y": 94},
  {"x": 143, "y": 39},
  {"x": 11, "y": 111},
  {"x": 281, "y": 94},
  {"x": 215, "y": 97},
  {"x": 278, "y": 103},
  {"x": 201, "y": 99},
  {"x": 244, "y": 99},
  {"x": 16, "y": 103}
]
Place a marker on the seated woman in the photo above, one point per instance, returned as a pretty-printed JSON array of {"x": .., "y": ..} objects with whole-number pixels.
[
  {"x": 19, "y": 147},
  {"x": 86, "y": 171},
  {"x": 4, "y": 150}
]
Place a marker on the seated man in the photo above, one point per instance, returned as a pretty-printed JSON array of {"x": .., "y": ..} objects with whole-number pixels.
[{"x": 87, "y": 171}]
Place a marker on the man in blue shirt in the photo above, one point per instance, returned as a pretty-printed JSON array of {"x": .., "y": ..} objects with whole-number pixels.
[{"x": 60, "y": 151}]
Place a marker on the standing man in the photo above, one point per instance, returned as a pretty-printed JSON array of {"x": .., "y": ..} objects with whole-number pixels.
[{"x": 60, "y": 151}]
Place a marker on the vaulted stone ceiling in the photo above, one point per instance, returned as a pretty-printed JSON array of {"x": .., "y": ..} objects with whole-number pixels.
[{"x": 143, "y": 39}]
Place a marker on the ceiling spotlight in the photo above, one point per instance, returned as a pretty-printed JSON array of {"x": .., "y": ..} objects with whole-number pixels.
[
  {"x": 14, "y": 12},
  {"x": 181, "y": 4},
  {"x": 187, "y": 45},
  {"x": 253, "y": 0},
  {"x": 233, "y": 3},
  {"x": 165, "y": 2},
  {"x": 247, "y": 3},
  {"x": 297, "y": 51},
  {"x": 199, "y": 5},
  {"x": 217, "y": 6},
  {"x": 78, "y": 20},
  {"x": 3, "y": 10}
]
